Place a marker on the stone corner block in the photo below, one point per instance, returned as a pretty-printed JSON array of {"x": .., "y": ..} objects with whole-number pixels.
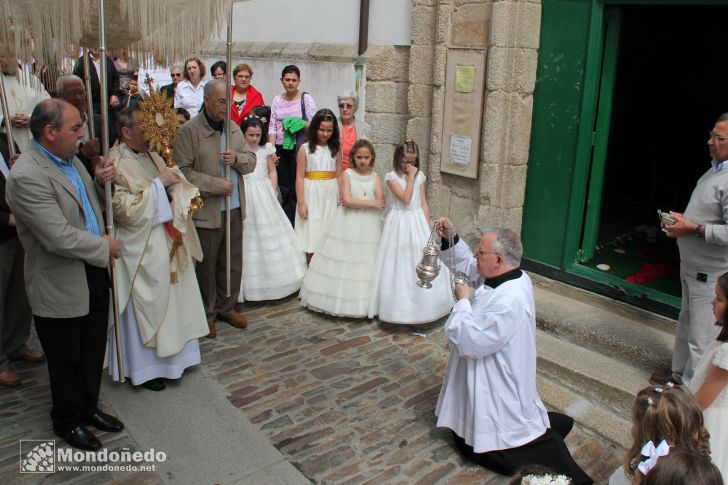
[
  {"x": 516, "y": 24},
  {"x": 470, "y": 25},
  {"x": 388, "y": 63},
  {"x": 424, "y": 19},
  {"x": 419, "y": 100}
]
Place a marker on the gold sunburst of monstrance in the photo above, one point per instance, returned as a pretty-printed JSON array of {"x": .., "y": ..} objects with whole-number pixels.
[
  {"x": 159, "y": 121},
  {"x": 159, "y": 124}
]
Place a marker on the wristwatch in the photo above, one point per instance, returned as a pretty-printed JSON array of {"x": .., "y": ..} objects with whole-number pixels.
[{"x": 698, "y": 231}]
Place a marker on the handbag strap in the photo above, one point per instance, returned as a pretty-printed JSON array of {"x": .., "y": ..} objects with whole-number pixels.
[{"x": 303, "y": 106}]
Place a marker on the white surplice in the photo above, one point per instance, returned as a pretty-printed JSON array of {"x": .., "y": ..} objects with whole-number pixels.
[
  {"x": 489, "y": 395},
  {"x": 24, "y": 91},
  {"x": 163, "y": 313}
]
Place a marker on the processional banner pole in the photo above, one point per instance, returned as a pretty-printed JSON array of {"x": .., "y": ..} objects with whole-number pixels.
[
  {"x": 6, "y": 118},
  {"x": 228, "y": 101},
  {"x": 89, "y": 98},
  {"x": 104, "y": 105}
]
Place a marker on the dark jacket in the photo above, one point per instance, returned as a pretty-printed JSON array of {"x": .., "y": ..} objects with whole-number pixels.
[
  {"x": 7, "y": 232},
  {"x": 97, "y": 131},
  {"x": 112, "y": 80},
  {"x": 169, "y": 89}
]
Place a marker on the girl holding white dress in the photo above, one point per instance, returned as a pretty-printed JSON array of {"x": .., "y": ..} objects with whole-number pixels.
[
  {"x": 318, "y": 175},
  {"x": 710, "y": 382},
  {"x": 273, "y": 264},
  {"x": 339, "y": 278},
  {"x": 395, "y": 296}
]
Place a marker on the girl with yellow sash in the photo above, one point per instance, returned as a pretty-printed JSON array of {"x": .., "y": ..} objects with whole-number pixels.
[{"x": 318, "y": 175}]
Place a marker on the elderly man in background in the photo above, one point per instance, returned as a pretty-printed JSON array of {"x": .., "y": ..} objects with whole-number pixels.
[
  {"x": 71, "y": 88},
  {"x": 58, "y": 216},
  {"x": 702, "y": 237},
  {"x": 488, "y": 397},
  {"x": 349, "y": 127},
  {"x": 163, "y": 314},
  {"x": 113, "y": 86},
  {"x": 177, "y": 74},
  {"x": 14, "y": 308},
  {"x": 199, "y": 151},
  {"x": 23, "y": 91}
]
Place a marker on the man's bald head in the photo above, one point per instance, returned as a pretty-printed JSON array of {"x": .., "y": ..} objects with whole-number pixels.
[{"x": 57, "y": 126}]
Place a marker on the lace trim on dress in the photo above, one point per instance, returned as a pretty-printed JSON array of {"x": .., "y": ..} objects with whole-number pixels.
[{"x": 720, "y": 359}]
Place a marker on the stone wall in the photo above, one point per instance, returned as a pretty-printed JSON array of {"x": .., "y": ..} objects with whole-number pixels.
[
  {"x": 509, "y": 30},
  {"x": 404, "y": 89},
  {"x": 385, "y": 88}
]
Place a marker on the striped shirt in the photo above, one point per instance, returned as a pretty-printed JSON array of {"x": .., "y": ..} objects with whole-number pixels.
[
  {"x": 69, "y": 170},
  {"x": 281, "y": 109}
]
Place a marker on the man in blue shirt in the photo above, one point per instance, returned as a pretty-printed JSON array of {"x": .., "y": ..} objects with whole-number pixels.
[{"x": 59, "y": 223}]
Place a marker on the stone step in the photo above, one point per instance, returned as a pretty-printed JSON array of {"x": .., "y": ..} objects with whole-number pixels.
[
  {"x": 625, "y": 333},
  {"x": 603, "y": 380},
  {"x": 604, "y": 422}
]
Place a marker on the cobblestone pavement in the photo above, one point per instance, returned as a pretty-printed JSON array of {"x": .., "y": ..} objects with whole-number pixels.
[
  {"x": 352, "y": 401},
  {"x": 346, "y": 401},
  {"x": 24, "y": 414}
]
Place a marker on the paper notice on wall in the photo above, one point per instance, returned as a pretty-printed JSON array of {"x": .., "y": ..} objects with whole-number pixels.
[
  {"x": 464, "y": 78},
  {"x": 460, "y": 147}
]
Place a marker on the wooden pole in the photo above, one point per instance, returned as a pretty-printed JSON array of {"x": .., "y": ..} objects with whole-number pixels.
[
  {"x": 6, "y": 118},
  {"x": 104, "y": 102},
  {"x": 89, "y": 98},
  {"x": 228, "y": 101}
]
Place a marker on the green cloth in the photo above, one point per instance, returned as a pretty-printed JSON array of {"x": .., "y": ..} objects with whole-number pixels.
[{"x": 291, "y": 126}]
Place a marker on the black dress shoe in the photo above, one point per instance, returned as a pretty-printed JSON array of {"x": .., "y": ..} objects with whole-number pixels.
[
  {"x": 155, "y": 385},
  {"x": 79, "y": 437},
  {"x": 104, "y": 422}
]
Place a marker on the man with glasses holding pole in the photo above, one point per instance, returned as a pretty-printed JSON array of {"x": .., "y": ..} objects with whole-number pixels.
[
  {"x": 702, "y": 237},
  {"x": 200, "y": 153}
]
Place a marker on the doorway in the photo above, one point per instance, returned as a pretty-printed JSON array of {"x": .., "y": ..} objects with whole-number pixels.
[{"x": 662, "y": 87}]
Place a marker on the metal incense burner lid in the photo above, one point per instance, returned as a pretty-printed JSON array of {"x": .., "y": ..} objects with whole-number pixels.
[{"x": 429, "y": 267}]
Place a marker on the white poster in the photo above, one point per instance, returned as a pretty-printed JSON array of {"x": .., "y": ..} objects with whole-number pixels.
[{"x": 460, "y": 147}]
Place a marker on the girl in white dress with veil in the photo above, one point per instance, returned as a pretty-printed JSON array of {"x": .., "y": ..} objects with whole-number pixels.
[
  {"x": 395, "y": 296},
  {"x": 340, "y": 275},
  {"x": 273, "y": 264}
]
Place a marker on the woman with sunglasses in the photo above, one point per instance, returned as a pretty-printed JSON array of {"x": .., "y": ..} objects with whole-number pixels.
[{"x": 350, "y": 129}]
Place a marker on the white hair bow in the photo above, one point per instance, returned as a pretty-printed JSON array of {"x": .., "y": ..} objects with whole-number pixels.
[{"x": 652, "y": 455}]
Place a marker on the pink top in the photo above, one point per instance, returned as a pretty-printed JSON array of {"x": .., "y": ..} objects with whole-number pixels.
[{"x": 281, "y": 109}]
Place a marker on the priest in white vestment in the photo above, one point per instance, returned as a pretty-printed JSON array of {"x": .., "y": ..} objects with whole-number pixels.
[
  {"x": 23, "y": 92},
  {"x": 163, "y": 314},
  {"x": 489, "y": 398}
]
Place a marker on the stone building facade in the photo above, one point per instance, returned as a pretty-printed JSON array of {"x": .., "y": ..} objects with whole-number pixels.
[
  {"x": 509, "y": 32},
  {"x": 403, "y": 89}
]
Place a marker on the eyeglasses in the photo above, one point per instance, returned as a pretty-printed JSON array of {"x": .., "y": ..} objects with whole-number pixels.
[
  {"x": 242, "y": 76},
  {"x": 715, "y": 136},
  {"x": 408, "y": 162},
  {"x": 480, "y": 252},
  {"x": 176, "y": 74},
  {"x": 346, "y": 105}
]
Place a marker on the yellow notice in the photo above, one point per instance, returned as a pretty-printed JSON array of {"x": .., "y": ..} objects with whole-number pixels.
[{"x": 464, "y": 78}]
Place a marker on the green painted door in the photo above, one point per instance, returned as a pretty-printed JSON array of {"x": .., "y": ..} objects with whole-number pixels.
[{"x": 600, "y": 136}]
